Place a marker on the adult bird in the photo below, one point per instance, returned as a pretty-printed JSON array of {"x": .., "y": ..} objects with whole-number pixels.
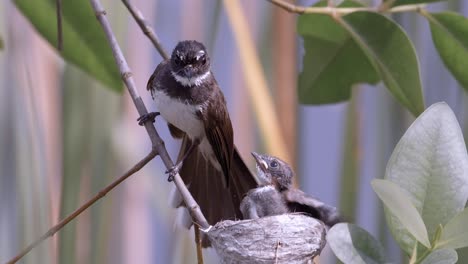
[{"x": 189, "y": 99}]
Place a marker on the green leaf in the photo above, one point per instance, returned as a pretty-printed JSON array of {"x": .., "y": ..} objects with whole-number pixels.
[
  {"x": 352, "y": 244},
  {"x": 1, "y": 43},
  {"x": 84, "y": 42},
  {"x": 412, "y": 2},
  {"x": 398, "y": 202},
  {"x": 450, "y": 36},
  {"x": 392, "y": 54},
  {"x": 333, "y": 62},
  {"x": 441, "y": 256},
  {"x": 431, "y": 164},
  {"x": 455, "y": 233}
]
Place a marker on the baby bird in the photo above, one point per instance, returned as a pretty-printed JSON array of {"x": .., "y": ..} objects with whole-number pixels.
[
  {"x": 266, "y": 199},
  {"x": 276, "y": 195}
]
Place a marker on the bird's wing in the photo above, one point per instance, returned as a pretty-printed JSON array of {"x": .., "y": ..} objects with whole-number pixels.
[
  {"x": 298, "y": 201},
  {"x": 157, "y": 75},
  {"x": 218, "y": 130}
]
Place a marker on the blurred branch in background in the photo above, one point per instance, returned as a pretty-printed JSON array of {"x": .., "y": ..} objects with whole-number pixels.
[
  {"x": 284, "y": 56},
  {"x": 261, "y": 99},
  {"x": 58, "y": 6},
  {"x": 349, "y": 183}
]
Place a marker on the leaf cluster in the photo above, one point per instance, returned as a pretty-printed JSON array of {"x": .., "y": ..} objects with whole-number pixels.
[
  {"x": 368, "y": 47},
  {"x": 424, "y": 192}
]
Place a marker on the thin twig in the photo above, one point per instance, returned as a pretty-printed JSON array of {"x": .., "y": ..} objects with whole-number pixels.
[
  {"x": 78, "y": 211},
  {"x": 198, "y": 242},
  {"x": 58, "y": 6},
  {"x": 146, "y": 28},
  {"x": 278, "y": 244},
  {"x": 342, "y": 10}
]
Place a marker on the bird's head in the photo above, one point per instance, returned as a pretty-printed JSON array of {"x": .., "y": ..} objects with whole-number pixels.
[
  {"x": 272, "y": 170},
  {"x": 190, "y": 64}
]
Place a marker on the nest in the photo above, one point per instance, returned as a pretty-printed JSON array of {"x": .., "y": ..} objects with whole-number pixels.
[{"x": 288, "y": 238}]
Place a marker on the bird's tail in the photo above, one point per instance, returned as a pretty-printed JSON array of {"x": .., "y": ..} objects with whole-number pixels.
[{"x": 206, "y": 185}]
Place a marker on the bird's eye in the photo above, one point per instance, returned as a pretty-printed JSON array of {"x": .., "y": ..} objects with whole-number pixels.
[
  {"x": 178, "y": 61},
  {"x": 201, "y": 58},
  {"x": 274, "y": 164}
]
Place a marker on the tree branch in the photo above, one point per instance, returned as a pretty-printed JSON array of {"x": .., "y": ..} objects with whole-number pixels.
[
  {"x": 149, "y": 32},
  {"x": 158, "y": 146},
  {"x": 328, "y": 10},
  {"x": 146, "y": 28},
  {"x": 156, "y": 140},
  {"x": 78, "y": 211}
]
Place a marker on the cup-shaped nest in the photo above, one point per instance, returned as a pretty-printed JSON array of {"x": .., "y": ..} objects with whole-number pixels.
[{"x": 288, "y": 238}]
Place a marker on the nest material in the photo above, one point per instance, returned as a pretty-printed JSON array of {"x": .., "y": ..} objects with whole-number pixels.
[{"x": 288, "y": 238}]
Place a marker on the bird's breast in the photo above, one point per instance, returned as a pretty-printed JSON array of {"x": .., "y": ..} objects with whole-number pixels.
[
  {"x": 181, "y": 114},
  {"x": 185, "y": 117}
]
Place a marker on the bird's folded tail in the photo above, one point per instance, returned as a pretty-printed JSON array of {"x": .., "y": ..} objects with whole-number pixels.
[{"x": 206, "y": 184}]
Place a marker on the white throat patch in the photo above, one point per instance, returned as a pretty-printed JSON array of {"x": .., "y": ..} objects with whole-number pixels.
[{"x": 194, "y": 81}]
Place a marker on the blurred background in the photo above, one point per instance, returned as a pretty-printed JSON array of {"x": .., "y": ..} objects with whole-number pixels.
[{"x": 64, "y": 136}]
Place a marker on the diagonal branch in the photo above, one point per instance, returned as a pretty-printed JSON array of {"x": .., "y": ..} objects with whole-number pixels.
[
  {"x": 156, "y": 140},
  {"x": 78, "y": 211},
  {"x": 158, "y": 146},
  {"x": 149, "y": 32}
]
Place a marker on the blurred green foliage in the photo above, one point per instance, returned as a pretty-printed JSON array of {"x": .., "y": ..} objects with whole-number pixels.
[
  {"x": 84, "y": 42},
  {"x": 450, "y": 36}
]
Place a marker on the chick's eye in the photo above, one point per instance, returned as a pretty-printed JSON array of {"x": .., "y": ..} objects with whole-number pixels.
[{"x": 274, "y": 164}]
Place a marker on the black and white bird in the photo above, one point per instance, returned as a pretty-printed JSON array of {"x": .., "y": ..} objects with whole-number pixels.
[
  {"x": 276, "y": 195},
  {"x": 189, "y": 99}
]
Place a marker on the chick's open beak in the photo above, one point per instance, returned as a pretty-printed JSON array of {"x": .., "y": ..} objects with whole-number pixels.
[{"x": 260, "y": 162}]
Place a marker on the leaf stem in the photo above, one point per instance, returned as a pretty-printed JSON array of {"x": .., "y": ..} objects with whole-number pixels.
[
  {"x": 423, "y": 256},
  {"x": 328, "y": 10}
]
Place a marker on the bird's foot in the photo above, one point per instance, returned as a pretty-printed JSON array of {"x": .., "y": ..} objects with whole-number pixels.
[
  {"x": 147, "y": 117},
  {"x": 206, "y": 230},
  {"x": 173, "y": 171}
]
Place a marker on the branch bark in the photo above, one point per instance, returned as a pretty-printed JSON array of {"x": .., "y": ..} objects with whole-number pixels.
[
  {"x": 78, "y": 211},
  {"x": 158, "y": 146},
  {"x": 343, "y": 10},
  {"x": 156, "y": 141}
]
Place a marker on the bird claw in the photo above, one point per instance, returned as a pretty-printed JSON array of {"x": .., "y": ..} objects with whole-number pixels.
[
  {"x": 206, "y": 230},
  {"x": 147, "y": 117},
  {"x": 172, "y": 172}
]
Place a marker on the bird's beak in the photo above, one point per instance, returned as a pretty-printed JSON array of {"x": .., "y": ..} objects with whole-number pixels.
[
  {"x": 260, "y": 162},
  {"x": 189, "y": 71}
]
